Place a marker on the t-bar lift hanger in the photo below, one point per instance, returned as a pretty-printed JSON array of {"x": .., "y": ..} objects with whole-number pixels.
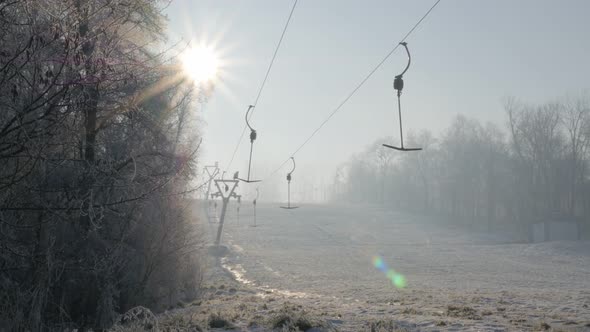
[
  {"x": 254, "y": 203},
  {"x": 289, "y": 188},
  {"x": 398, "y": 84},
  {"x": 252, "y": 139}
]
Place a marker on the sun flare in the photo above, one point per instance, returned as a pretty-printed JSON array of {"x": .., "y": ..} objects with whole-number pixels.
[{"x": 200, "y": 63}]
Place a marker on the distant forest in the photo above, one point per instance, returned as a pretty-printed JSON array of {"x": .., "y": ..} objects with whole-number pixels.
[
  {"x": 534, "y": 169},
  {"x": 98, "y": 144}
]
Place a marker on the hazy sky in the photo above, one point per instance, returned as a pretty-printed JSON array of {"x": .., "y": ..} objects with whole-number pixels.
[{"x": 467, "y": 55}]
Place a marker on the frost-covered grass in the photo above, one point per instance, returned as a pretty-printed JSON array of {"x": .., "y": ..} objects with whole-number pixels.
[
  {"x": 312, "y": 271},
  {"x": 321, "y": 258}
]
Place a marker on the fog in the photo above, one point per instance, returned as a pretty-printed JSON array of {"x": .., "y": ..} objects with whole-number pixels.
[
  {"x": 294, "y": 165},
  {"x": 531, "y": 170},
  {"x": 466, "y": 58}
]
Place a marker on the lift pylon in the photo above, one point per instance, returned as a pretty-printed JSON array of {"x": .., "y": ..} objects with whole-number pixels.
[
  {"x": 212, "y": 171},
  {"x": 225, "y": 196}
]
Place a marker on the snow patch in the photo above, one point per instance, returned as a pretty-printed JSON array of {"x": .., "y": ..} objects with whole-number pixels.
[{"x": 238, "y": 272}]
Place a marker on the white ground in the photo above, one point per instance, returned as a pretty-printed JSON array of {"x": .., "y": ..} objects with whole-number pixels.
[{"x": 321, "y": 257}]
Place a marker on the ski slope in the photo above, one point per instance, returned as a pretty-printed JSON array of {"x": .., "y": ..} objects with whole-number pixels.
[{"x": 322, "y": 256}]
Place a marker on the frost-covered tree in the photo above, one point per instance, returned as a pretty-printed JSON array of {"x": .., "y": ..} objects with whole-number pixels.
[
  {"x": 534, "y": 169},
  {"x": 97, "y": 143}
]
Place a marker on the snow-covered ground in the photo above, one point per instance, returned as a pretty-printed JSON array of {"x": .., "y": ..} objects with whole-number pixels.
[{"x": 322, "y": 257}]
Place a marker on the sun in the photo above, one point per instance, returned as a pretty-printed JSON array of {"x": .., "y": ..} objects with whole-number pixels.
[{"x": 200, "y": 63}]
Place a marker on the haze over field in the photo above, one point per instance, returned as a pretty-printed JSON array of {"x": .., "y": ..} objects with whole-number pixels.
[
  {"x": 294, "y": 165},
  {"x": 455, "y": 279},
  {"x": 467, "y": 56}
]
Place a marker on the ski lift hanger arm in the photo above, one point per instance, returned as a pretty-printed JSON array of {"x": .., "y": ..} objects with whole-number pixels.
[
  {"x": 356, "y": 88},
  {"x": 289, "y": 207},
  {"x": 398, "y": 85},
  {"x": 250, "y": 107},
  {"x": 252, "y": 139},
  {"x": 274, "y": 56},
  {"x": 292, "y": 170},
  {"x": 405, "y": 45}
]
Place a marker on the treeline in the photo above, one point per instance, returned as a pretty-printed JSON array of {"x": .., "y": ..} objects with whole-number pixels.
[
  {"x": 534, "y": 169},
  {"x": 97, "y": 144}
]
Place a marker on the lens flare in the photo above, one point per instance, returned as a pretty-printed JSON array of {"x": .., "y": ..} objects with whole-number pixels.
[
  {"x": 379, "y": 264},
  {"x": 397, "y": 279},
  {"x": 390, "y": 274}
]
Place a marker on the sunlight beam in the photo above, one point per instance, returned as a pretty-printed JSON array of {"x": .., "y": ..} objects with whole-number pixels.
[{"x": 200, "y": 63}]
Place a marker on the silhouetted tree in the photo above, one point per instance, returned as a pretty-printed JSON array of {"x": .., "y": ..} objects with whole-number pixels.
[{"x": 97, "y": 146}]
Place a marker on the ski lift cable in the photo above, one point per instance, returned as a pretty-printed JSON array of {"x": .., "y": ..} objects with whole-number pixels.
[
  {"x": 263, "y": 83},
  {"x": 357, "y": 87}
]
